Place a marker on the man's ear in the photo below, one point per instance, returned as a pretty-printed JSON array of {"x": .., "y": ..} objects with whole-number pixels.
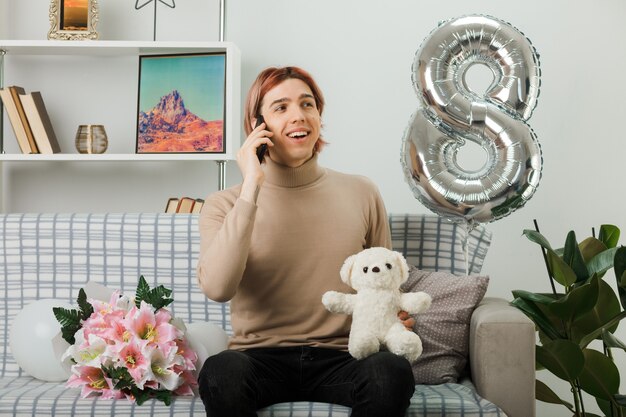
[{"x": 346, "y": 269}]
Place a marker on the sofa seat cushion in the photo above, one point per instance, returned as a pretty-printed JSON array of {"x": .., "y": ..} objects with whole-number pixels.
[{"x": 26, "y": 396}]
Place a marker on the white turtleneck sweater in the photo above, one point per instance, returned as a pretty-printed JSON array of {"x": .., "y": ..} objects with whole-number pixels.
[{"x": 275, "y": 259}]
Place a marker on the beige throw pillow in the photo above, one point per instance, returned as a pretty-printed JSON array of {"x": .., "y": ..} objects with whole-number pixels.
[{"x": 444, "y": 328}]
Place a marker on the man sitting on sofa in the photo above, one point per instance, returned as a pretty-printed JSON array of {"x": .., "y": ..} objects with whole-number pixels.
[{"x": 273, "y": 245}]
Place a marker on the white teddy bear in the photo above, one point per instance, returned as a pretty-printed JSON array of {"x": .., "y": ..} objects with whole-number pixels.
[{"x": 376, "y": 274}]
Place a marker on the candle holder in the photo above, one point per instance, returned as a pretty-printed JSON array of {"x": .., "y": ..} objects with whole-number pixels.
[{"x": 91, "y": 139}]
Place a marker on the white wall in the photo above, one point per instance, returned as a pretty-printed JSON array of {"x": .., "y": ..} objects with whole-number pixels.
[
  {"x": 5, "y": 28},
  {"x": 361, "y": 54}
]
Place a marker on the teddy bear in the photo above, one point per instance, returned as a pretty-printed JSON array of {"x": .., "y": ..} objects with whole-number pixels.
[{"x": 376, "y": 274}]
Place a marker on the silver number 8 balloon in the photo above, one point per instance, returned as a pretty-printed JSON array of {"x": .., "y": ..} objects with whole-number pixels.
[{"x": 451, "y": 113}]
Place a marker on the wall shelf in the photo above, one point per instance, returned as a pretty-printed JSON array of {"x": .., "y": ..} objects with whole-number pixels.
[
  {"x": 77, "y": 157},
  {"x": 111, "y": 48},
  {"x": 29, "y": 54},
  {"x": 44, "y": 48}
]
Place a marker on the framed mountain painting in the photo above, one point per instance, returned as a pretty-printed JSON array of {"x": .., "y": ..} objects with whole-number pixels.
[{"x": 180, "y": 106}]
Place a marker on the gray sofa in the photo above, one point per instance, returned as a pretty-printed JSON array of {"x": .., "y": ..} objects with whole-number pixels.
[{"x": 54, "y": 255}]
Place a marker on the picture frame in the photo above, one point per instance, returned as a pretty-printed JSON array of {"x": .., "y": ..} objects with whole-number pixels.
[
  {"x": 73, "y": 20},
  {"x": 181, "y": 103}
]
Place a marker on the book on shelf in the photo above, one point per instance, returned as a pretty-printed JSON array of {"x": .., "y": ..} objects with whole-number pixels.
[
  {"x": 185, "y": 205},
  {"x": 172, "y": 205},
  {"x": 197, "y": 207},
  {"x": 15, "y": 93},
  {"x": 11, "y": 103},
  {"x": 40, "y": 123}
]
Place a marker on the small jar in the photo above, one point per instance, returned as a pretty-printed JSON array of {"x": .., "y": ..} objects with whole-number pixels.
[{"x": 91, "y": 139}]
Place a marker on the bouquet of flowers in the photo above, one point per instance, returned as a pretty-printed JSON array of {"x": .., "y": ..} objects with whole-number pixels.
[{"x": 128, "y": 349}]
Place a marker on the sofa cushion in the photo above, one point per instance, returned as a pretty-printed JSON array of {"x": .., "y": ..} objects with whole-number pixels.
[
  {"x": 25, "y": 396},
  {"x": 432, "y": 243},
  {"x": 444, "y": 327}
]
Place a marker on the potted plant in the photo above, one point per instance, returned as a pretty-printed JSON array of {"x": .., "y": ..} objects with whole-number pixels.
[{"x": 576, "y": 323}]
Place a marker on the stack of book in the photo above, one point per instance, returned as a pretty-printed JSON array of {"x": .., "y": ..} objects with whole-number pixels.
[
  {"x": 184, "y": 205},
  {"x": 30, "y": 121}
]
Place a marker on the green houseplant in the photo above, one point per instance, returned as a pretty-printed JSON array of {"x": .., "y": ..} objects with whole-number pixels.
[{"x": 576, "y": 324}]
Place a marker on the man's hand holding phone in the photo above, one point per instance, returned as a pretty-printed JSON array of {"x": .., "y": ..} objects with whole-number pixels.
[
  {"x": 250, "y": 157},
  {"x": 261, "y": 150}
]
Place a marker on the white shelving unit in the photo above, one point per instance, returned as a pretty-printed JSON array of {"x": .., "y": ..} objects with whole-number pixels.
[
  {"x": 42, "y": 49},
  {"x": 112, "y": 157}
]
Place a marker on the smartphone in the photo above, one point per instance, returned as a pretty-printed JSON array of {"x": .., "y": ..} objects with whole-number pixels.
[{"x": 261, "y": 150}]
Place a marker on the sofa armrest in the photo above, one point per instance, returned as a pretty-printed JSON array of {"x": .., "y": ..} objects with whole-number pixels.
[{"x": 502, "y": 356}]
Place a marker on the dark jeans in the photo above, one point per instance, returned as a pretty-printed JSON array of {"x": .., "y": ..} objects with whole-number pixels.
[{"x": 237, "y": 383}]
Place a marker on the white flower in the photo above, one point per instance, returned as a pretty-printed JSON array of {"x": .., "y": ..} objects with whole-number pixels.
[
  {"x": 79, "y": 340},
  {"x": 161, "y": 367},
  {"x": 179, "y": 324},
  {"x": 91, "y": 353}
]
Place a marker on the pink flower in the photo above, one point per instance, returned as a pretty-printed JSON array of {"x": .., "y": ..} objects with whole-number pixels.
[
  {"x": 146, "y": 325},
  {"x": 133, "y": 359},
  {"x": 188, "y": 355},
  {"x": 188, "y": 379},
  {"x": 92, "y": 380},
  {"x": 101, "y": 308},
  {"x": 95, "y": 324},
  {"x": 104, "y": 321},
  {"x": 114, "y": 329}
]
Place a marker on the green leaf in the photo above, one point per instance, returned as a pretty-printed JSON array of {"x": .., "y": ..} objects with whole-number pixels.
[
  {"x": 577, "y": 302},
  {"x": 609, "y": 235},
  {"x": 538, "y": 317},
  {"x": 602, "y": 262},
  {"x": 622, "y": 289},
  {"x": 69, "y": 321},
  {"x": 605, "y": 406},
  {"x": 561, "y": 271},
  {"x": 591, "y": 336},
  {"x": 605, "y": 310},
  {"x": 545, "y": 394},
  {"x": 163, "y": 395},
  {"x": 590, "y": 247},
  {"x": 619, "y": 265},
  {"x": 120, "y": 376},
  {"x": 86, "y": 309},
  {"x": 611, "y": 341},
  {"x": 573, "y": 257},
  {"x": 142, "y": 291},
  {"x": 157, "y": 297},
  {"x": 561, "y": 357},
  {"x": 142, "y": 396},
  {"x": 539, "y": 308},
  {"x": 537, "y": 237},
  {"x": 619, "y": 262},
  {"x": 600, "y": 376},
  {"x": 535, "y": 297}
]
